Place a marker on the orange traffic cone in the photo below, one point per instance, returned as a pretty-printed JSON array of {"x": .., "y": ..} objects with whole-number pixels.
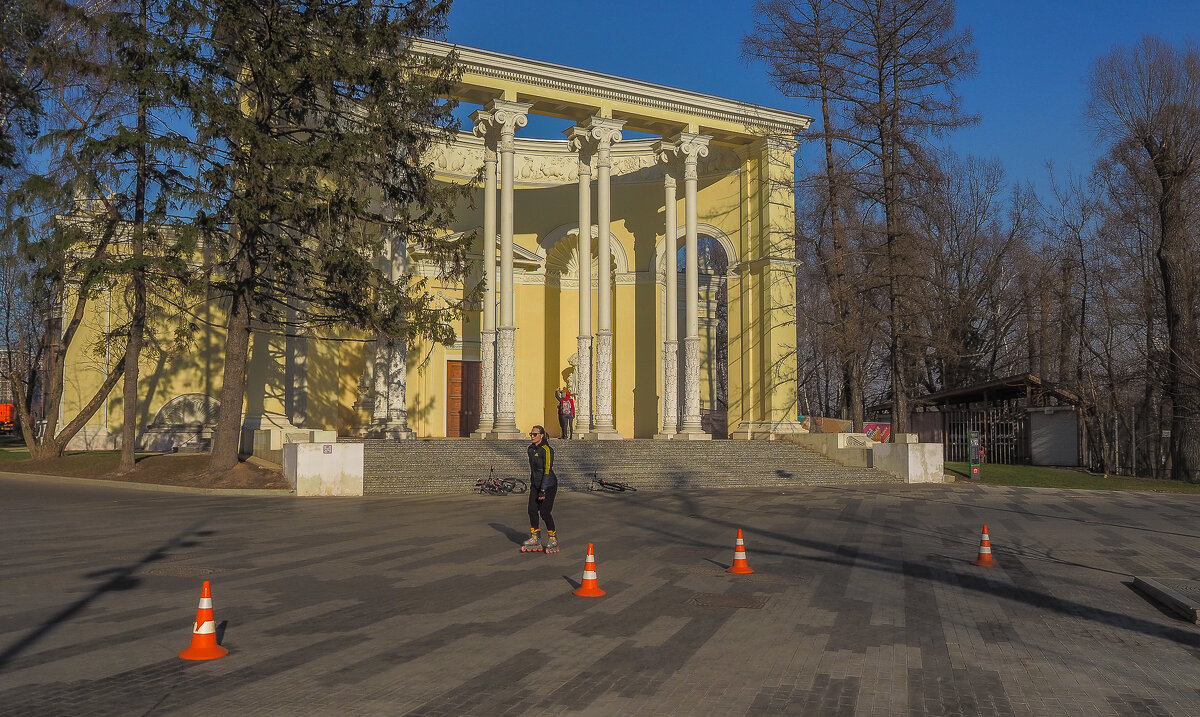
[
  {"x": 204, "y": 631},
  {"x": 739, "y": 566},
  {"x": 589, "y": 587},
  {"x": 985, "y": 551}
]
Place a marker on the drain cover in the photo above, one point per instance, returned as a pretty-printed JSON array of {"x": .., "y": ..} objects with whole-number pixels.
[
  {"x": 181, "y": 571},
  {"x": 751, "y": 602}
]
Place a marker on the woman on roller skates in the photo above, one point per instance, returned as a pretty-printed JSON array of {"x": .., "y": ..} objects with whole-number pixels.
[{"x": 543, "y": 486}]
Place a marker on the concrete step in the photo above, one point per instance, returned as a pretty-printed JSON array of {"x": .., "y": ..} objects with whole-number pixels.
[{"x": 454, "y": 465}]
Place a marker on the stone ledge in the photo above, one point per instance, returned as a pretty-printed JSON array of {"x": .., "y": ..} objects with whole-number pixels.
[{"x": 1180, "y": 596}]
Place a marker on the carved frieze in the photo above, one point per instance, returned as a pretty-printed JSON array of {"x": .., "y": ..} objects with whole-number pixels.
[
  {"x": 670, "y": 387},
  {"x": 691, "y": 381},
  {"x": 553, "y": 163},
  {"x": 604, "y": 343}
]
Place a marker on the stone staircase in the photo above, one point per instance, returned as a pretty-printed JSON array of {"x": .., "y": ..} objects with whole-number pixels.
[{"x": 452, "y": 465}]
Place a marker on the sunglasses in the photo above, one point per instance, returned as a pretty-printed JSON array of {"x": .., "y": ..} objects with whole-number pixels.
[{"x": 534, "y": 433}]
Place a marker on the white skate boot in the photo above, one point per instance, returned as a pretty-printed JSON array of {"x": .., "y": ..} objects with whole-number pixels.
[{"x": 533, "y": 545}]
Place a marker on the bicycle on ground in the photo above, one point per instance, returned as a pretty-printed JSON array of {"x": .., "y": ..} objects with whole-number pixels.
[
  {"x": 610, "y": 486},
  {"x": 496, "y": 485}
]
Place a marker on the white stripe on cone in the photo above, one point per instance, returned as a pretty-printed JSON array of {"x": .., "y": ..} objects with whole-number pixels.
[
  {"x": 205, "y": 628},
  {"x": 739, "y": 555},
  {"x": 589, "y": 574},
  {"x": 985, "y": 549},
  {"x": 205, "y": 603}
]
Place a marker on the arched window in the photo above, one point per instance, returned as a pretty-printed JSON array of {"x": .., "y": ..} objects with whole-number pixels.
[
  {"x": 710, "y": 257},
  {"x": 713, "y": 266}
]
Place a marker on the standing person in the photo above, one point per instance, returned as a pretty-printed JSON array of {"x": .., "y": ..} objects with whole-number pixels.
[
  {"x": 543, "y": 486},
  {"x": 566, "y": 412}
]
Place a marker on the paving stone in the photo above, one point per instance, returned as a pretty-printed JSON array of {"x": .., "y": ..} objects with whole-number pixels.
[{"x": 866, "y": 604}]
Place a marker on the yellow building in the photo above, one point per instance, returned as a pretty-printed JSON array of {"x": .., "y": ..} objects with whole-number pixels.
[{"x": 690, "y": 208}]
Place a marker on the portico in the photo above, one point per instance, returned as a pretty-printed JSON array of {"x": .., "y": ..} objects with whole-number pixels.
[{"x": 729, "y": 157}]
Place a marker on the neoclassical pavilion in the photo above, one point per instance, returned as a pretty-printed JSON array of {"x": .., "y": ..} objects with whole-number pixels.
[
  {"x": 647, "y": 348},
  {"x": 678, "y": 323}
]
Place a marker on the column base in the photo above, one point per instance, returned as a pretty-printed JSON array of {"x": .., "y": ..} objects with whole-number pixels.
[
  {"x": 602, "y": 434},
  {"x": 502, "y": 435},
  {"x": 481, "y": 433},
  {"x": 766, "y": 430},
  {"x": 666, "y": 436},
  {"x": 694, "y": 434},
  {"x": 391, "y": 431}
]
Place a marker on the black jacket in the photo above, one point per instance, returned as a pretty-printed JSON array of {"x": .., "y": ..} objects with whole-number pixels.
[{"x": 541, "y": 466}]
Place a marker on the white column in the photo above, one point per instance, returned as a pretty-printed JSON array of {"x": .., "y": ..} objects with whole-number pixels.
[
  {"x": 580, "y": 140},
  {"x": 397, "y": 414},
  {"x": 485, "y": 126},
  {"x": 295, "y": 369},
  {"x": 390, "y": 410},
  {"x": 508, "y": 116},
  {"x": 606, "y": 132},
  {"x": 379, "y": 408},
  {"x": 691, "y": 148},
  {"x": 667, "y": 152}
]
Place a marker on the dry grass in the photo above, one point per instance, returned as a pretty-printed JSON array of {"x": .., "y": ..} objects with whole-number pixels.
[{"x": 187, "y": 469}]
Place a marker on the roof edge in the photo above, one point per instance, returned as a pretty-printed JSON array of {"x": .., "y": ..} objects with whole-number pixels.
[{"x": 613, "y": 87}]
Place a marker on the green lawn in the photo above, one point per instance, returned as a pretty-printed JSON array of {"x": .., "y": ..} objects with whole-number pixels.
[
  {"x": 13, "y": 454},
  {"x": 1040, "y": 477}
]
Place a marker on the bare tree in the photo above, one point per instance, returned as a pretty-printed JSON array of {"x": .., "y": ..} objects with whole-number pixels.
[
  {"x": 804, "y": 44},
  {"x": 972, "y": 302},
  {"x": 885, "y": 69},
  {"x": 1148, "y": 97},
  {"x": 909, "y": 55}
]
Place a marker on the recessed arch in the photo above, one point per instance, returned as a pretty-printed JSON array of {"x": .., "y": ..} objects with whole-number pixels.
[
  {"x": 558, "y": 248},
  {"x": 657, "y": 266}
]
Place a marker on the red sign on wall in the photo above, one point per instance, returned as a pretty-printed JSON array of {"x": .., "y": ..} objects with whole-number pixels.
[{"x": 878, "y": 432}]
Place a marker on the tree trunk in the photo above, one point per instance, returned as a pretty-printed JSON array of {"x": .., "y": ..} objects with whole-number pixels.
[
  {"x": 227, "y": 436},
  {"x": 137, "y": 326},
  {"x": 1182, "y": 389}
]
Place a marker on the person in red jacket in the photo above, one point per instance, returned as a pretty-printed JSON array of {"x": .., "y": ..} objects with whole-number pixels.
[{"x": 566, "y": 412}]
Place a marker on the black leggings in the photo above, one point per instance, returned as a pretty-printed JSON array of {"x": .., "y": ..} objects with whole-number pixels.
[{"x": 543, "y": 509}]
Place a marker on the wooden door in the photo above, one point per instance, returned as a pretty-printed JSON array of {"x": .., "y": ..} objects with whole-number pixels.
[{"x": 463, "y": 388}]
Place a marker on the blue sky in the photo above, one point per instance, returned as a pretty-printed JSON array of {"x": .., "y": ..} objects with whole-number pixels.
[{"x": 1034, "y": 57}]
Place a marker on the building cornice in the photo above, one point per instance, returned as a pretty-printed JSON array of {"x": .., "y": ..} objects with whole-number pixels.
[{"x": 757, "y": 120}]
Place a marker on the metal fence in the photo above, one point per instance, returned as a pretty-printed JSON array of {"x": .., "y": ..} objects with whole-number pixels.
[{"x": 1004, "y": 431}]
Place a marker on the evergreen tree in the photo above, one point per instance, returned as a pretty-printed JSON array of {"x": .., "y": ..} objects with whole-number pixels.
[
  {"x": 316, "y": 117},
  {"x": 23, "y": 25}
]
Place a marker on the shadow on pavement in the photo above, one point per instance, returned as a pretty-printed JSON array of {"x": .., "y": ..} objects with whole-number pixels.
[
  {"x": 512, "y": 534},
  {"x": 122, "y": 578},
  {"x": 947, "y": 574}
]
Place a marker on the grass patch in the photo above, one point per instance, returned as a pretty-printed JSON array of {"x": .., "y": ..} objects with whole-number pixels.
[
  {"x": 178, "y": 469},
  {"x": 1043, "y": 477},
  {"x": 12, "y": 454}
]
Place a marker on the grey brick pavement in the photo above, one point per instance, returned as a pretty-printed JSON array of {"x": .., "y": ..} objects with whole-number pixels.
[{"x": 864, "y": 603}]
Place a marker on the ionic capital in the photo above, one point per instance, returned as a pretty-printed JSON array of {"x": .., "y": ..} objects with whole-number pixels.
[
  {"x": 605, "y": 132},
  {"x": 691, "y": 148},
  {"x": 580, "y": 140},
  {"x": 667, "y": 152},
  {"x": 485, "y": 124},
  {"x": 508, "y": 116}
]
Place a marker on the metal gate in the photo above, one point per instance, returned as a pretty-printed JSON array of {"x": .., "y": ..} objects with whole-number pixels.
[{"x": 1005, "y": 434}]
